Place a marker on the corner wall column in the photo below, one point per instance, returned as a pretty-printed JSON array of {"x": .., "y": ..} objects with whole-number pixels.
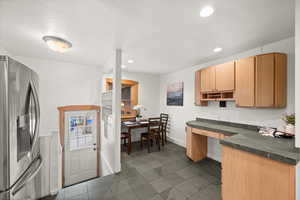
[
  {"x": 116, "y": 109},
  {"x": 297, "y": 91}
]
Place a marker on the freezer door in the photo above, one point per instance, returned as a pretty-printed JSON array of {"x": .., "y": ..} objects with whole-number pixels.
[
  {"x": 4, "y": 140},
  {"x": 26, "y": 186},
  {"x": 34, "y": 115},
  {"x": 23, "y": 119}
]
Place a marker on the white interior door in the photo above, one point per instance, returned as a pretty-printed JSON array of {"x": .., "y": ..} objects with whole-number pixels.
[{"x": 80, "y": 146}]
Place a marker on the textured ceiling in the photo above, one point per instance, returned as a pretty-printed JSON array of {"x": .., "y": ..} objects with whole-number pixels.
[{"x": 161, "y": 36}]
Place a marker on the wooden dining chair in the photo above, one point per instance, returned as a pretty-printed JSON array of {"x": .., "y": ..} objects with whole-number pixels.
[
  {"x": 126, "y": 138},
  {"x": 164, "y": 120},
  {"x": 153, "y": 133}
]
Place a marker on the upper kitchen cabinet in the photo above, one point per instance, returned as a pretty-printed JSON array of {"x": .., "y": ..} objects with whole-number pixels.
[
  {"x": 245, "y": 82},
  {"x": 198, "y": 101},
  {"x": 215, "y": 83},
  {"x": 258, "y": 81},
  {"x": 225, "y": 79},
  {"x": 218, "y": 78},
  {"x": 280, "y": 80},
  {"x": 265, "y": 79},
  {"x": 271, "y": 80},
  {"x": 261, "y": 81},
  {"x": 197, "y": 87},
  {"x": 208, "y": 79}
]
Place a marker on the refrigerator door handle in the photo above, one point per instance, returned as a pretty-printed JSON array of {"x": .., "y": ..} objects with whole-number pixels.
[
  {"x": 37, "y": 116},
  {"x": 29, "y": 174}
]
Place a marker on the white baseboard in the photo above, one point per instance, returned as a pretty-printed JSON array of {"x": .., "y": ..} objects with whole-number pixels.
[
  {"x": 176, "y": 141},
  {"x": 54, "y": 192}
]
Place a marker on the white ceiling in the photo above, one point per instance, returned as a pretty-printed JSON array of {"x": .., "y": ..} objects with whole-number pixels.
[{"x": 160, "y": 35}]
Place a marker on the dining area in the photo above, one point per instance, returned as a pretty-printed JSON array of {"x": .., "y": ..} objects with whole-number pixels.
[{"x": 151, "y": 132}]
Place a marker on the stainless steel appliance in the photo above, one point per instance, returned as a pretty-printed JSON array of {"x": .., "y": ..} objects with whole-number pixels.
[{"x": 20, "y": 159}]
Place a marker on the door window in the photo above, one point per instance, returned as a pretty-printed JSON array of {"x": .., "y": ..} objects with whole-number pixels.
[{"x": 80, "y": 131}]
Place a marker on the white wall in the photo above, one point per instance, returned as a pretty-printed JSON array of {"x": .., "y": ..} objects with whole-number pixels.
[
  {"x": 3, "y": 51},
  {"x": 148, "y": 97},
  {"x": 297, "y": 91},
  {"x": 149, "y": 85},
  {"x": 148, "y": 91},
  {"x": 60, "y": 84},
  {"x": 297, "y": 74},
  {"x": 180, "y": 115},
  {"x": 51, "y": 173},
  {"x": 63, "y": 84}
]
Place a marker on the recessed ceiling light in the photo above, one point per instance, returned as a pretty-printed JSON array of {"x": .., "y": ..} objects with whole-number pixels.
[
  {"x": 123, "y": 66},
  {"x": 217, "y": 49},
  {"x": 57, "y": 44},
  {"x": 207, "y": 11},
  {"x": 130, "y": 61}
]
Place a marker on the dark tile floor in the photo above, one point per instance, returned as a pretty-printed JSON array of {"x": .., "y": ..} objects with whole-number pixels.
[{"x": 160, "y": 175}]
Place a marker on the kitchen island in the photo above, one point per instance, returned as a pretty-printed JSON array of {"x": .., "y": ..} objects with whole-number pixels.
[{"x": 253, "y": 166}]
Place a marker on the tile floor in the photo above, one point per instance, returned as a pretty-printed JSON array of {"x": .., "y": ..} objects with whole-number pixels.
[{"x": 160, "y": 175}]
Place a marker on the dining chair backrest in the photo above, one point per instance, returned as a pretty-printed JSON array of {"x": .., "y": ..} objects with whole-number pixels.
[
  {"x": 154, "y": 123},
  {"x": 164, "y": 119}
]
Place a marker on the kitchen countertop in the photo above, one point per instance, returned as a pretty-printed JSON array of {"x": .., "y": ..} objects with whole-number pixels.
[{"x": 246, "y": 138}]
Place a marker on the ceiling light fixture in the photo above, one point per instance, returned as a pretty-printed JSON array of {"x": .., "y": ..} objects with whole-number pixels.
[
  {"x": 57, "y": 44},
  {"x": 123, "y": 66},
  {"x": 207, "y": 11},
  {"x": 217, "y": 49},
  {"x": 130, "y": 61}
]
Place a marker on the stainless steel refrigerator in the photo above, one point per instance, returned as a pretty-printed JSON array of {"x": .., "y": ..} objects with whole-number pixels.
[{"x": 20, "y": 159}]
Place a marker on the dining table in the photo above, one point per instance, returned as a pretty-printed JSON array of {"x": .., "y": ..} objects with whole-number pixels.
[{"x": 130, "y": 125}]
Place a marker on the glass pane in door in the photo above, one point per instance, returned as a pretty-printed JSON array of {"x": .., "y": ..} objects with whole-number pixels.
[{"x": 81, "y": 131}]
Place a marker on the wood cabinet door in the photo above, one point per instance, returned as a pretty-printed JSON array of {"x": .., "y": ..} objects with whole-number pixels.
[
  {"x": 208, "y": 79},
  {"x": 245, "y": 82},
  {"x": 280, "y": 80},
  {"x": 225, "y": 76},
  {"x": 134, "y": 94},
  {"x": 197, "y": 87},
  {"x": 204, "y": 80},
  {"x": 196, "y": 145},
  {"x": 246, "y": 176},
  {"x": 265, "y": 75},
  {"x": 188, "y": 142}
]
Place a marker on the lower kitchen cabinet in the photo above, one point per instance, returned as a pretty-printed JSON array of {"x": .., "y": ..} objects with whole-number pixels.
[{"x": 246, "y": 176}]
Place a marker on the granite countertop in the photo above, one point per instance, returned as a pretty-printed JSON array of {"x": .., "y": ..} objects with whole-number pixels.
[{"x": 247, "y": 138}]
